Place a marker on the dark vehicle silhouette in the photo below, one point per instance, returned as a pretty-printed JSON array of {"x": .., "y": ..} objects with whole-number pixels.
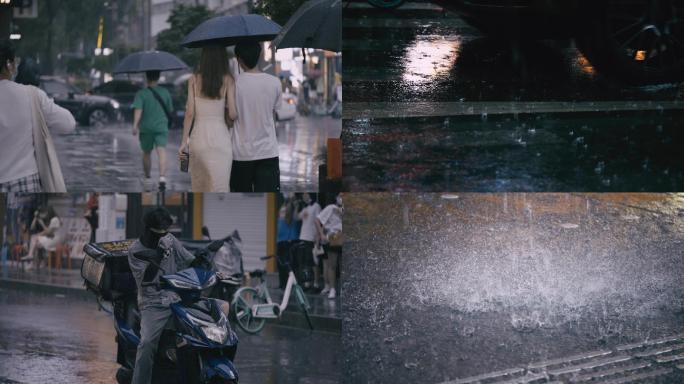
[
  {"x": 122, "y": 91},
  {"x": 636, "y": 41},
  {"x": 87, "y": 109}
]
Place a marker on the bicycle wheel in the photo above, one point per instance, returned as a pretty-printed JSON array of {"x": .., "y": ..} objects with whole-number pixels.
[
  {"x": 303, "y": 304},
  {"x": 245, "y": 299}
]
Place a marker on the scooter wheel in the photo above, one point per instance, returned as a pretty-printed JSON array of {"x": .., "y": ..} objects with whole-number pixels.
[{"x": 124, "y": 376}]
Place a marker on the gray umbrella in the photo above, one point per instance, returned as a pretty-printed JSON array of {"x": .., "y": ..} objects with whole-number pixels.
[
  {"x": 316, "y": 24},
  {"x": 149, "y": 61},
  {"x": 230, "y": 30}
]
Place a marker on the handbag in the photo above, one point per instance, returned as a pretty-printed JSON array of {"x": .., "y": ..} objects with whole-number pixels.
[
  {"x": 49, "y": 170},
  {"x": 336, "y": 239}
]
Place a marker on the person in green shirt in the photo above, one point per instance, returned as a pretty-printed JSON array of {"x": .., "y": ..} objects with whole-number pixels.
[{"x": 152, "y": 126}]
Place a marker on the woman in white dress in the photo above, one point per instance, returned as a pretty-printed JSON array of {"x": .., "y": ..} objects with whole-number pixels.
[
  {"x": 210, "y": 111},
  {"x": 49, "y": 236}
]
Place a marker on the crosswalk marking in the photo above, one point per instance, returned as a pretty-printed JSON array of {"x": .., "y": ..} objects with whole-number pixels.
[{"x": 603, "y": 366}]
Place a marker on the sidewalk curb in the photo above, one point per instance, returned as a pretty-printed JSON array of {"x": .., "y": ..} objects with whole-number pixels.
[
  {"x": 44, "y": 287},
  {"x": 291, "y": 317},
  {"x": 402, "y": 110}
]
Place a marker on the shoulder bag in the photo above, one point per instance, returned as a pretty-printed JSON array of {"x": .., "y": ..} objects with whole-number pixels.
[{"x": 49, "y": 170}]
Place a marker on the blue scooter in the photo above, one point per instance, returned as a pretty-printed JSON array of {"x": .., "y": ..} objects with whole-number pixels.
[{"x": 196, "y": 346}]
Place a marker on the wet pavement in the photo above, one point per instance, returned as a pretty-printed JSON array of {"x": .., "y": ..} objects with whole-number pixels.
[
  {"x": 430, "y": 92},
  {"x": 109, "y": 158},
  {"x": 516, "y": 287},
  {"x": 524, "y": 153},
  {"x": 325, "y": 313},
  {"x": 64, "y": 339}
]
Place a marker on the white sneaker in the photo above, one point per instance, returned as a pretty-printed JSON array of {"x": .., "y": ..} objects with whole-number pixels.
[
  {"x": 332, "y": 293},
  {"x": 325, "y": 290},
  {"x": 162, "y": 182}
]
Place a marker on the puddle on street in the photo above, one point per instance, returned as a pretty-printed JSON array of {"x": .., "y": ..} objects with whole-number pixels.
[{"x": 472, "y": 283}]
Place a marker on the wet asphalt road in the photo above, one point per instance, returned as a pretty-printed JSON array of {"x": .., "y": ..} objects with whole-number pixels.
[
  {"x": 58, "y": 339},
  {"x": 441, "y": 287},
  {"x": 428, "y": 108},
  {"x": 109, "y": 158}
]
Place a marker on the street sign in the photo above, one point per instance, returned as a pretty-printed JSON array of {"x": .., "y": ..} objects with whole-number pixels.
[{"x": 26, "y": 9}]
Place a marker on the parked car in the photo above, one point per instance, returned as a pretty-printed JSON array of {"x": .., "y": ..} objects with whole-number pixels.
[
  {"x": 288, "y": 107},
  {"x": 122, "y": 91},
  {"x": 638, "y": 41},
  {"x": 87, "y": 109}
]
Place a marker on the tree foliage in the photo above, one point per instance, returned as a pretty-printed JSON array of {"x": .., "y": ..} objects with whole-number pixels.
[
  {"x": 279, "y": 11},
  {"x": 182, "y": 20},
  {"x": 62, "y": 26}
]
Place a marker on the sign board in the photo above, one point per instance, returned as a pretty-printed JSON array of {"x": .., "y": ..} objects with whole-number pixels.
[
  {"x": 77, "y": 235},
  {"x": 26, "y": 9}
]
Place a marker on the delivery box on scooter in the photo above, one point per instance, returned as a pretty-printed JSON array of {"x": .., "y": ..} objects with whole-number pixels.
[{"x": 105, "y": 269}]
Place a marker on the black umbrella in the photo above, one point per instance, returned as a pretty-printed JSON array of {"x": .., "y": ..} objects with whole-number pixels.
[
  {"x": 230, "y": 30},
  {"x": 149, "y": 61},
  {"x": 316, "y": 24}
]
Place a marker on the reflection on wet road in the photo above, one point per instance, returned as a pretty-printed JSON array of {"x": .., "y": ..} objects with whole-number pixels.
[
  {"x": 421, "y": 53},
  {"x": 109, "y": 158},
  {"x": 435, "y": 105},
  {"x": 452, "y": 286},
  {"x": 62, "y": 339}
]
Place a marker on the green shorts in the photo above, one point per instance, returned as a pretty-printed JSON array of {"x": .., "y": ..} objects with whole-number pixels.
[{"x": 151, "y": 140}]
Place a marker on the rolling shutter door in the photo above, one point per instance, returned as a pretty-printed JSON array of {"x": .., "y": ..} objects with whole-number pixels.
[{"x": 224, "y": 213}]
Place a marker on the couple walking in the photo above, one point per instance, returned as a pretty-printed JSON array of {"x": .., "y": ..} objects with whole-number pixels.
[{"x": 229, "y": 129}]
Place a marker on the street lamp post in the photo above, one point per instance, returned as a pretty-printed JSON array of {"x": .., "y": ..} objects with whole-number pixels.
[{"x": 147, "y": 20}]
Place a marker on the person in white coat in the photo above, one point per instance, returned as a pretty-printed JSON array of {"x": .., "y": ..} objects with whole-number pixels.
[
  {"x": 329, "y": 224},
  {"x": 18, "y": 164}
]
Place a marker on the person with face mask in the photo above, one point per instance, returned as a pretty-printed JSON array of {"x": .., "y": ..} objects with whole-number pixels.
[
  {"x": 329, "y": 224},
  {"x": 28, "y": 162},
  {"x": 155, "y": 253},
  {"x": 46, "y": 221}
]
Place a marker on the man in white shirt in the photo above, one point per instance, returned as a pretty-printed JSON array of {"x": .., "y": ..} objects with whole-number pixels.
[
  {"x": 329, "y": 224},
  {"x": 256, "y": 167},
  {"x": 18, "y": 167}
]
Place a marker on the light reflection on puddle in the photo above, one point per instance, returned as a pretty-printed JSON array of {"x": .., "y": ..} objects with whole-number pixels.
[{"x": 427, "y": 60}]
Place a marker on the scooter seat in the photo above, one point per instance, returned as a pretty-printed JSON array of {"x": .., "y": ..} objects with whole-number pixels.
[
  {"x": 257, "y": 273},
  {"x": 232, "y": 280}
]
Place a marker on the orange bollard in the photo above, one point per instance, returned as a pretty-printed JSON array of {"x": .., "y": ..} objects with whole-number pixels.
[{"x": 334, "y": 159}]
